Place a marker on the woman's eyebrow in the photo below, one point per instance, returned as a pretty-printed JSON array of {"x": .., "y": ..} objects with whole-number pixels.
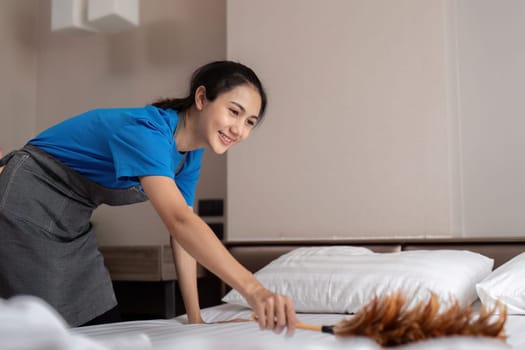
[
  {"x": 239, "y": 105},
  {"x": 243, "y": 109}
]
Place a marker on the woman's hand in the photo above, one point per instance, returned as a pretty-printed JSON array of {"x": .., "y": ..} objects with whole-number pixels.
[
  {"x": 272, "y": 311},
  {"x": 195, "y": 319}
]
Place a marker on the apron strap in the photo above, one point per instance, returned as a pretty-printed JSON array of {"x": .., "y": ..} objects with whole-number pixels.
[
  {"x": 181, "y": 164},
  {"x": 5, "y": 159}
]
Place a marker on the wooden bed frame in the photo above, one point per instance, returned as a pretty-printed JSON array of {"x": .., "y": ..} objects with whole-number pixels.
[
  {"x": 155, "y": 262},
  {"x": 147, "y": 272},
  {"x": 254, "y": 255}
]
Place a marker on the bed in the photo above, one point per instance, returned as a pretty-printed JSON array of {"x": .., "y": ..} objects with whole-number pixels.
[
  {"x": 311, "y": 270},
  {"x": 175, "y": 334}
]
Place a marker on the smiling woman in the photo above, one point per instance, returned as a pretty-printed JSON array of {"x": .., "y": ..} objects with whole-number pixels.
[
  {"x": 220, "y": 123},
  {"x": 118, "y": 156}
]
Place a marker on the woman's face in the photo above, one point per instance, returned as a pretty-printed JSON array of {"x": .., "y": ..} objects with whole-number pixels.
[{"x": 229, "y": 118}]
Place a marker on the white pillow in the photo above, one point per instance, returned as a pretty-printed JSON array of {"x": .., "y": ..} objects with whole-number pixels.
[
  {"x": 507, "y": 284},
  {"x": 343, "y": 279}
]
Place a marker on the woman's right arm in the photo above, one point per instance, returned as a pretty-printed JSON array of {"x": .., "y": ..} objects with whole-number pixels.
[{"x": 273, "y": 311}]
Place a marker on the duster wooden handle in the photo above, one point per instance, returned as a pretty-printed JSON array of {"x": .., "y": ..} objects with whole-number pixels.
[{"x": 306, "y": 326}]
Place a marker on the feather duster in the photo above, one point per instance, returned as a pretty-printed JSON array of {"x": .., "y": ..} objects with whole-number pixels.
[{"x": 389, "y": 322}]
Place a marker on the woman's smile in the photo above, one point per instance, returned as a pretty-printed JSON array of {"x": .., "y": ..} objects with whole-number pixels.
[{"x": 226, "y": 140}]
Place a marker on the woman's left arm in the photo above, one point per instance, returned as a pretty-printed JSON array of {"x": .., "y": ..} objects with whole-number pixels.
[{"x": 186, "y": 268}]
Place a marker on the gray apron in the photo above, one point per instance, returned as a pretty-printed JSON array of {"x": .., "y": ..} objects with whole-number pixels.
[{"x": 47, "y": 244}]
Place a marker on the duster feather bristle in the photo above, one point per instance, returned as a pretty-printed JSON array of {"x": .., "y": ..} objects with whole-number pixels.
[{"x": 389, "y": 322}]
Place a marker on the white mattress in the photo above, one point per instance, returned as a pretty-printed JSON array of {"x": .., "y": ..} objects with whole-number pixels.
[{"x": 176, "y": 334}]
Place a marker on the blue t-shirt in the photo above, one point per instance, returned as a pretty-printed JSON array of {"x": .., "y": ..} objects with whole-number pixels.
[{"x": 114, "y": 147}]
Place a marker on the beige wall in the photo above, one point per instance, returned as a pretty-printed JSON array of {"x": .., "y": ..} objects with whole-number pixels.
[
  {"x": 18, "y": 69},
  {"x": 491, "y": 109},
  {"x": 386, "y": 118},
  {"x": 77, "y": 72},
  {"x": 356, "y": 140}
]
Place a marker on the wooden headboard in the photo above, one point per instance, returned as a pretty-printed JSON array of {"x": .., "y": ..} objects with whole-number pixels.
[
  {"x": 255, "y": 255},
  {"x": 155, "y": 263}
]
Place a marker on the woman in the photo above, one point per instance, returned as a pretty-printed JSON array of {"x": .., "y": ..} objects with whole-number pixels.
[{"x": 49, "y": 189}]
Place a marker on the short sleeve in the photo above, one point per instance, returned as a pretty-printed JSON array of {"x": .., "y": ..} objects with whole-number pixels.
[{"x": 141, "y": 149}]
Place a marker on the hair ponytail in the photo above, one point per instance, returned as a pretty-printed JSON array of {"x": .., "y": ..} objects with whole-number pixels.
[
  {"x": 217, "y": 77},
  {"x": 178, "y": 104}
]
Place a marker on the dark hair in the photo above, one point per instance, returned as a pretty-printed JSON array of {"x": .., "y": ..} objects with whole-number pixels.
[{"x": 217, "y": 77}]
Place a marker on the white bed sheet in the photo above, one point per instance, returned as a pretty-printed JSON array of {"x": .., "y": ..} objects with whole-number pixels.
[{"x": 176, "y": 334}]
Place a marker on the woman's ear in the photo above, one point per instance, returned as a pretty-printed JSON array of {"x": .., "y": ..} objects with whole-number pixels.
[{"x": 200, "y": 97}]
